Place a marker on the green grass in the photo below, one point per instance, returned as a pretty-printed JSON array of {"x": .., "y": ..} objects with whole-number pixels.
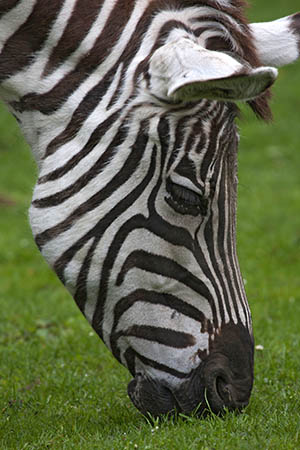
[{"x": 59, "y": 386}]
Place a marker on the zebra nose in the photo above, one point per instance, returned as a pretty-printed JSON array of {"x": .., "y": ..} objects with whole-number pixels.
[
  {"x": 223, "y": 388},
  {"x": 214, "y": 387}
]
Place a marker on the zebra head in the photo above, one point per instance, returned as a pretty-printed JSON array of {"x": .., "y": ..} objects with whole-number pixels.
[{"x": 135, "y": 205}]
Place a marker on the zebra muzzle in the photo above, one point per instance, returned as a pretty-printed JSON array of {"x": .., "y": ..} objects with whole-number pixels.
[
  {"x": 222, "y": 381},
  {"x": 211, "y": 388},
  {"x": 223, "y": 389}
]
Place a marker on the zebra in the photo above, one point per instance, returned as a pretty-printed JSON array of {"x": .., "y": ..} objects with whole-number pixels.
[{"x": 129, "y": 107}]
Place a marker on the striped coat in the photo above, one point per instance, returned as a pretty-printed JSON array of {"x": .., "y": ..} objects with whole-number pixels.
[{"x": 129, "y": 108}]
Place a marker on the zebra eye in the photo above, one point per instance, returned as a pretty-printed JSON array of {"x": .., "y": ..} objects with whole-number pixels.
[{"x": 184, "y": 200}]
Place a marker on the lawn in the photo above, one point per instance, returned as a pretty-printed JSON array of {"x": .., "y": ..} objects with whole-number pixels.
[{"x": 59, "y": 386}]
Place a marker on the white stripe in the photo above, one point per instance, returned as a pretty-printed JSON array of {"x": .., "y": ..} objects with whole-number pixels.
[
  {"x": 33, "y": 73},
  {"x": 14, "y": 19},
  {"x": 84, "y": 47}
]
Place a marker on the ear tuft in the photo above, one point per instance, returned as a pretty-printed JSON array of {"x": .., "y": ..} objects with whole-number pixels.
[{"x": 295, "y": 27}]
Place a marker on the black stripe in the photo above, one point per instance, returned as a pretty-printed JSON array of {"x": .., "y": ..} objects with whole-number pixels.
[
  {"x": 155, "y": 225},
  {"x": 78, "y": 26},
  {"x": 80, "y": 295},
  {"x": 201, "y": 260},
  {"x": 220, "y": 239},
  {"x": 157, "y": 298},
  {"x": 71, "y": 130},
  {"x": 163, "y": 266},
  {"x": 65, "y": 194},
  {"x": 129, "y": 167},
  {"x": 231, "y": 237},
  {"x": 49, "y": 102},
  {"x": 7, "y": 5},
  {"x": 103, "y": 224},
  {"x": 158, "y": 366},
  {"x": 129, "y": 356},
  {"x": 164, "y": 336},
  {"x": 28, "y": 38},
  {"x": 163, "y": 299}
]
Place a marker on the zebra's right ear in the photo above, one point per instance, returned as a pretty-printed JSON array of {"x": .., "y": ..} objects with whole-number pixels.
[{"x": 182, "y": 70}]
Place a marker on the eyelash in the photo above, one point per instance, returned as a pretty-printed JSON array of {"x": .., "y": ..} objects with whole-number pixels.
[{"x": 185, "y": 201}]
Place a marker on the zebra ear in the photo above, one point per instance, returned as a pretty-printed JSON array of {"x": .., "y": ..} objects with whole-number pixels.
[
  {"x": 278, "y": 42},
  {"x": 186, "y": 71}
]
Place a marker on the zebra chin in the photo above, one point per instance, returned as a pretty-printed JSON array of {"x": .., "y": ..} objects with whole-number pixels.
[{"x": 222, "y": 382}]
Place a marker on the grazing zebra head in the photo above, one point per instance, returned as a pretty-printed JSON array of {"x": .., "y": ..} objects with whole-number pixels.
[{"x": 129, "y": 107}]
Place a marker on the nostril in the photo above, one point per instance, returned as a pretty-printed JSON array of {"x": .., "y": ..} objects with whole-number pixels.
[{"x": 223, "y": 390}]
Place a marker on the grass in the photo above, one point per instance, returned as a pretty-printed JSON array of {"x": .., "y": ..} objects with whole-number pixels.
[{"x": 59, "y": 386}]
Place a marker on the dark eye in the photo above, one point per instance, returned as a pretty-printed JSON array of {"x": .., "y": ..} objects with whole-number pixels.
[{"x": 184, "y": 200}]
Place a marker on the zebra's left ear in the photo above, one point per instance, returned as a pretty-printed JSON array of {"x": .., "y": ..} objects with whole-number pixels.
[
  {"x": 183, "y": 70},
  {"x": 278, "y": 42}
]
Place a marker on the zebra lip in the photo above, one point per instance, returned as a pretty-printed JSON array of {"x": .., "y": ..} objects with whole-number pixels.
[{"x": 150, "y": 396}]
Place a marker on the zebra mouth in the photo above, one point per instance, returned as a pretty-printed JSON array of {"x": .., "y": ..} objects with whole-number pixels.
[
  {"x": 209, "y": 389},
  {"x": 150, "y": 396}
]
